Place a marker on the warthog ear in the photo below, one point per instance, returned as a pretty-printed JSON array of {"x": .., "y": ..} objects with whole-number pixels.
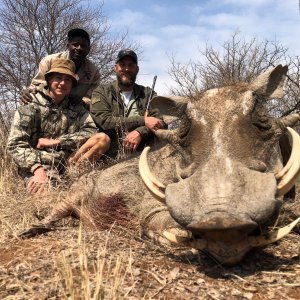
[
  {"x": 170, "y": 107},
  {"x": 270, "y": 83}
]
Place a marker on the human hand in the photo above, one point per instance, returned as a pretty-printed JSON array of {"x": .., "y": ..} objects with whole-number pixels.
[
  {"x": 47, "y": 143},
  {"x": 153, "y": 123},
  {"x": 37, "y": 183},
  {"x": 132, "y": 140},
  {"x": 86, "y": 102},
  {"x": 25, "y": 97}
]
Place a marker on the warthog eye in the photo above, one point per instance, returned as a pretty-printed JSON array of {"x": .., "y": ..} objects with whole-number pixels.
[
  {"x": 260, "y": 117},
  {"x": 261, "y": 120},
  {"x": 262, "y": 125}
]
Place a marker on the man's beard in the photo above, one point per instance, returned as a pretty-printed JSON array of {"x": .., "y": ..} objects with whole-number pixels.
[{"x": 128, "y": 82}]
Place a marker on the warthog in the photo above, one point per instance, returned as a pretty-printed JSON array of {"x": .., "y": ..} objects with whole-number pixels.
[{"x": 215, "y": 183}]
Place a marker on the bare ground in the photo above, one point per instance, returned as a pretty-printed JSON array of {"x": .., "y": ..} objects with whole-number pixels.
[{"x": 80, "y": 263}]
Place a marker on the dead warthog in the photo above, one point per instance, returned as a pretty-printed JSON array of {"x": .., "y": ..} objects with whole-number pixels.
[{"x": 215, "y": 184}]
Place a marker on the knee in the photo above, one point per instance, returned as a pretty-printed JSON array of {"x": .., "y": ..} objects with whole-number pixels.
[{"x": 102, "y": 138}]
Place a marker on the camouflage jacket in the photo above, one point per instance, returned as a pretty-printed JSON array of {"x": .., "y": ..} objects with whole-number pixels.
[
  {"x": 88, "y": 75},
  {"x": 69, "y": 122}
]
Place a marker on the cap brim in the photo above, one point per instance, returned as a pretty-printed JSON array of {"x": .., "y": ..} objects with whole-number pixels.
[{"x": 66, "y": 72}]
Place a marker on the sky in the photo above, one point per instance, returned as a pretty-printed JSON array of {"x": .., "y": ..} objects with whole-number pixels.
[{"x": 174, "y": 28}]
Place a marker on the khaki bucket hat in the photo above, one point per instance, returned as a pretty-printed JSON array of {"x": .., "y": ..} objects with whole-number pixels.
[{"x": 63, "y": 66}]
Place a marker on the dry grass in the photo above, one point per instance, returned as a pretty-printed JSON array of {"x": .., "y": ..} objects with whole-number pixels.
[
  {"x": 101, "y": 278},
  {"x": 80, "y": 263}
]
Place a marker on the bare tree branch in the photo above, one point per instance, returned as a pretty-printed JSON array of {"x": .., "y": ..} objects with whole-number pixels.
[
  {"x": 31, "y": 29},
  {"x": 239, "y": 60}
]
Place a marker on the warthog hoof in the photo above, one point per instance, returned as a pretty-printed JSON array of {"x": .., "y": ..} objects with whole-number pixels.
[{"x": 160, "y": 223}]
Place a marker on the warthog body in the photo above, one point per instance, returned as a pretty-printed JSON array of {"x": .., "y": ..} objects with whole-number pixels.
[{"x": 216, "y": 172}]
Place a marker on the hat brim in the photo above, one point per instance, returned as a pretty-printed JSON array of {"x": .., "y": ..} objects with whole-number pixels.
[
  {"x": 62, "y": 71},
  {"x": 127, "y": 55}
]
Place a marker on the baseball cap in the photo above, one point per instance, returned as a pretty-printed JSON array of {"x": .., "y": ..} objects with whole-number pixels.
[
  {"x": 127, "y": 52},
  {"x": 78, "y": 32}
]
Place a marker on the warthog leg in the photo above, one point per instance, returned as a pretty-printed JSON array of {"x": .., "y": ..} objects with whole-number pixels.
[
  {"x": 60, "y": 211},
  {"x": 157, "y": 222}
]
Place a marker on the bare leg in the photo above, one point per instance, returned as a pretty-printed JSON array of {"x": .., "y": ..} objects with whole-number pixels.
[{"x": 92, "y": 149}]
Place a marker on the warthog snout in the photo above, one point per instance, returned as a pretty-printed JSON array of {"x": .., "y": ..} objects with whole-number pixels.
[{"x": 223, "y": 221}]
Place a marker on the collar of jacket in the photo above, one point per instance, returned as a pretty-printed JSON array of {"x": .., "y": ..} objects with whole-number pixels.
[
  {"x": 45, "y": 98},
  {"x": 115, "y": 90}
]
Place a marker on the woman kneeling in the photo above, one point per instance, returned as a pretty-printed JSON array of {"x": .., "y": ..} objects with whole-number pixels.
[{"x": 53, "y": 130}]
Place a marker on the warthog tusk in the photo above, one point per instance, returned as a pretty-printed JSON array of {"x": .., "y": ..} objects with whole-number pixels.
[
  {"x": 187, "y": 241},
  {"x": 289, "y": 164},
  {"x": 288, "y": 175},
  {"x": 257, "y": 241},
  {"x": 152, "y": 183}
]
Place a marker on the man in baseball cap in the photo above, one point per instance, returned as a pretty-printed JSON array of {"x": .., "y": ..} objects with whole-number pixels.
[{"x": 119, "y": 108}]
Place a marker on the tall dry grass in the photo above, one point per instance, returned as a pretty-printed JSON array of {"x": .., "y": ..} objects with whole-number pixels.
[
  {"x": 12, "y": 191},
  {"x": 8, "y": 170},
  {"x": 105, "y": 276}
]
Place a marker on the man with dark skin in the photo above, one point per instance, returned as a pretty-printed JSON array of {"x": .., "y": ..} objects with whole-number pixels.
[
  {"x": 119, "y": 108},
  {"x": 78, "y": 47}
]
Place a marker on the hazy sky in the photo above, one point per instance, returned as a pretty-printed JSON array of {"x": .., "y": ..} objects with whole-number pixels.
[{"x": 179, "y": 28}]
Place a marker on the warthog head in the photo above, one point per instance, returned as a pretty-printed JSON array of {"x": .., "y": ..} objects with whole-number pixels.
[{"x": 230, "y": 181}]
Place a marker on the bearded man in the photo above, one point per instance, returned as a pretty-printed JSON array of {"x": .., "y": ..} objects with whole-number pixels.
[{"x": 118, "y": 108}]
